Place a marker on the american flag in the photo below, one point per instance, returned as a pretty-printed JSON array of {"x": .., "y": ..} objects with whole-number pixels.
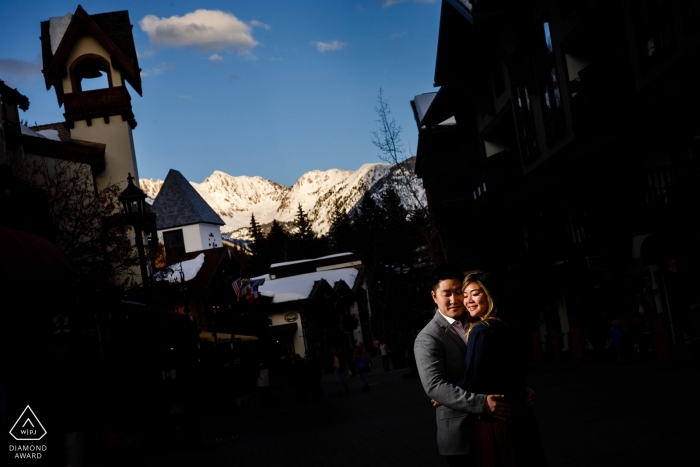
[
  {"x": 239, "y": 286},
  {"x": 245, "y": 287}
]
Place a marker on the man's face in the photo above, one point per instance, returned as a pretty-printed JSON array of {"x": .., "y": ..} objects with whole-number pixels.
[{"x": 449, "y": 298}]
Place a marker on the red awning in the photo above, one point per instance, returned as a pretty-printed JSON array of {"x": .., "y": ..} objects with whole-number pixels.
[{"x": 25, "y": 256}]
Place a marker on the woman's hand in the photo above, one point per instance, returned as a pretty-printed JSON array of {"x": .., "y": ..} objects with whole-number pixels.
[{"x": 435, "y": 403}]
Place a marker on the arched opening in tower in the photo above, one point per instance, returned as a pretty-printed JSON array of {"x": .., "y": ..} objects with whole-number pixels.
[{"x": 91, "y": 74}]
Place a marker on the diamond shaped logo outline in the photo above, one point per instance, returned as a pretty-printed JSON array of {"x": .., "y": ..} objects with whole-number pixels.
[{"x": 22, "y": 417}]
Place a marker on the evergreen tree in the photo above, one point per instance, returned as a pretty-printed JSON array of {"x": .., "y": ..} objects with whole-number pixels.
[
  {"x": 260, "y": 261},
  {"x": 303, "y": 226},
  {"x": 277, "y": 243},
  {"x": 341, "y": 235},
  {"x": 304, "y": 237}
]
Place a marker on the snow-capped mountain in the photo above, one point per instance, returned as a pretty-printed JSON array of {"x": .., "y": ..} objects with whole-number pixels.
[{"x": 318, "y": 192}]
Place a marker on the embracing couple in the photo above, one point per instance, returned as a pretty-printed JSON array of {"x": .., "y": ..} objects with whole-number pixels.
[{"x": 472, "y": 367}]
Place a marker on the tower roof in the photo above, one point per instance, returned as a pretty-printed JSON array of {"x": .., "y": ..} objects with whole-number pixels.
[
  {"x": 112, "y": 30},
  {"x": 178, "y": 203}
]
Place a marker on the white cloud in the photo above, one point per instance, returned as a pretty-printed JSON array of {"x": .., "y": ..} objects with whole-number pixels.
[
  {"x": 159, "y": 69},
  {"x": 326, "y": 46},
  {"x": 216, "y": 59},
  {"x": 257, "y": 24},
  {"x": 18, "y": 71},
  {"x": 390, "y": 3},
  {"x": 396, "y": 35},
  {"x": 145, "y": 53},
  {"x": 182, "y": 96},
  {"x": 206, "y": 30}
]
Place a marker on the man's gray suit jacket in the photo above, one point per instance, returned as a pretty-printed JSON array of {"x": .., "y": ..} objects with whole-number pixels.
[{"x": 440, "y": 354}]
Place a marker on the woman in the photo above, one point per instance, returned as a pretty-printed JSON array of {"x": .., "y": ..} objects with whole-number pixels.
[{"x": 494, "y": 365}]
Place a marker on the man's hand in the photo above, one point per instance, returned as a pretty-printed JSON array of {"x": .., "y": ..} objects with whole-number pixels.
[
  {"x": 435, "y": 403},
  {"x": 494, "y": 407},
  {"x": 530, "y": 398}
]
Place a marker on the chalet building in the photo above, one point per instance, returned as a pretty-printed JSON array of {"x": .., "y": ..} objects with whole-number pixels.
[
  {"x": 316, "y": 302},
  {"x": 185, "y": 222},
  {"x": 561, "y": 149},
  {"x": 87, "y": 60}
]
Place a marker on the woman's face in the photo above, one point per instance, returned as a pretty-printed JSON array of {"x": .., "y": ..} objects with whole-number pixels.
[{"x": 475, "y": 300}]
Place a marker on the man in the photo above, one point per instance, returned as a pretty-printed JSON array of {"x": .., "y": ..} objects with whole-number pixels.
[{"x": 440, "y": 350}]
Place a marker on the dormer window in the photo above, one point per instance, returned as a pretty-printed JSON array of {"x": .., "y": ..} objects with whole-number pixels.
[{"x": 90, "y": 72}]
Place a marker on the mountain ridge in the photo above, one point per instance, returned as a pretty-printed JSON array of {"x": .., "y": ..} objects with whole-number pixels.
[{"x": 236, "y": 198}]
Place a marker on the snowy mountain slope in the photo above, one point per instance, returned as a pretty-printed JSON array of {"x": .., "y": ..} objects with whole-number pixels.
[{"x": 235, "y": 199}]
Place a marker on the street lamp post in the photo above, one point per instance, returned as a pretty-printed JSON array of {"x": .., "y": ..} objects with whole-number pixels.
[{"x": 133, "y": 200}]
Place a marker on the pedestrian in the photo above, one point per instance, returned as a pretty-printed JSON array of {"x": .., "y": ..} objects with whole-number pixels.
[
  {"x": 384, "y": 350},
  {"x": 267, "y": 400},
  {"x": 348, "y": 355},
  {"x": 440, "y": 350},
  {"x": 313, "y": 371},
  {"x": 339, "y": 363},
  {"x": 363, "y": 361}
]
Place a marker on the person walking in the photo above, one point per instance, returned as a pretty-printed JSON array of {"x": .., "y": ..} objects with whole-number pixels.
[
  {"x": 363, "y": 361},
  {"x": 338, "y": 364},
  {"x": 267, "y": 400},
  {"x": 384, "y": 351}
]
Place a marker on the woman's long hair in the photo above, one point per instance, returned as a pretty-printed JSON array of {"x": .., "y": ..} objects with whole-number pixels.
[{"x": 485, "y": 281}]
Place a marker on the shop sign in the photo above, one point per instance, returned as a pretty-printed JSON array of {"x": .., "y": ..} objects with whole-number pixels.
[{"x": 291, "y": 317}]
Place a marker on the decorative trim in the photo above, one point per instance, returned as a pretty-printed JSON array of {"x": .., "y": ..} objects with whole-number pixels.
[{"x": 99, "y": 103}]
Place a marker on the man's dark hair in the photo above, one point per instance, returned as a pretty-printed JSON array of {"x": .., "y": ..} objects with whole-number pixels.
[{"x": 445, "y": 272}]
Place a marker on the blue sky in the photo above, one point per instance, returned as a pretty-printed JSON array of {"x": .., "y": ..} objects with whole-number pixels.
[{"x": 278, "y": 89}]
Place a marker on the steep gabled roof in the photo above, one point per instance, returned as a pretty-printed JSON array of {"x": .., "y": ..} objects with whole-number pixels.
[
  {"x": 178, "y": 203},
  {"x": 112, "y": 30}
]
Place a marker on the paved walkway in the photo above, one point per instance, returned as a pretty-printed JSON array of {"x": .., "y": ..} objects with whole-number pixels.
[{"x": 590, "y": 415}]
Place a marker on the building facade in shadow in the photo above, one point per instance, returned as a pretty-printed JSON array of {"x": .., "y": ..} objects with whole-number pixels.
[{"x": 561, "y": 149}]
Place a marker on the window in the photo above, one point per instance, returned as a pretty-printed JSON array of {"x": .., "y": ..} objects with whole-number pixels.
[
  {"x": 575, "y": 226},
  {"x": 656, "y": 186},
  {"x": 522, "y": 77},
  {"x": 174, "y": 243},
  {"x": 499, "y": 82},
  {"x": 654, "y": 30},
  {"x": 548, "y": 80}
]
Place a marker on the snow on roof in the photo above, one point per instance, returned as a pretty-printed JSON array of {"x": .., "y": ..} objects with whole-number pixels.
[
  {"x": 190, "y": 268},
  {"x": 299, "y": 287},
  {"x": 276, "y": 265},
  {"x": 50, "y": 134},
  {"x": 29, "y": 132},
  {"x": 57, "y": 28}
]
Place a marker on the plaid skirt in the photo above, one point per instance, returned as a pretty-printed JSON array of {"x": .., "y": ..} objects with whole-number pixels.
[{"x": 515, "y": 442}]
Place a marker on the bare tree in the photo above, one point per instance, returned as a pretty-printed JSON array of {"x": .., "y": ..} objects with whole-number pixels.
[
  {"x": 87, "y": 223},
  {"x": 388, "y": 140}
]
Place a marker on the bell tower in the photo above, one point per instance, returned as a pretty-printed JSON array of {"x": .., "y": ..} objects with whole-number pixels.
[{"x": 80, "y": 49}]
